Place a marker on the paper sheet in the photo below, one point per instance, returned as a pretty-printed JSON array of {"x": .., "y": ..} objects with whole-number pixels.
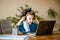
[{"x": 10, "y": 37}]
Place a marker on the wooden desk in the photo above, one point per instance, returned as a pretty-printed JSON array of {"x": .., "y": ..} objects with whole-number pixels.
[{"x": 54, "y": 36}]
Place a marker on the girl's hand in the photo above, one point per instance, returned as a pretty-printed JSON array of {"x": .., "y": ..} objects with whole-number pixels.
[{"x": 36, "y": 21}]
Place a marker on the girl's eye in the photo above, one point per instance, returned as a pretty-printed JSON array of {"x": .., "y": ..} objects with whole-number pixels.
[{"x": 31, "y": 18}]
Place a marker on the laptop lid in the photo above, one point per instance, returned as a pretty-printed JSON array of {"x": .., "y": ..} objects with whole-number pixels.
[
  {"x": 45, "y": 27},
  {"x": 5, "y": 26}
]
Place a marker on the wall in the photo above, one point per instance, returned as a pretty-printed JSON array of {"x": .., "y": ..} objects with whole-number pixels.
[{"x": 9, "y": 8}]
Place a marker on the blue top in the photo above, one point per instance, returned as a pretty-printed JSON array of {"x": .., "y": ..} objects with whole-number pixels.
[{"x": 33, "y": 28}]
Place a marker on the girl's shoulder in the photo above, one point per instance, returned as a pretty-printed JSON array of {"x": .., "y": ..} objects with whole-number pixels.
[{"x": 21, "y": 23}]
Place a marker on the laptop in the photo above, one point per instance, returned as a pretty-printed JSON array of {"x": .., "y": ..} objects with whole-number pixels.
[
  {"x": 5, "y": 26},
  {"x": 45, "y": 28}
]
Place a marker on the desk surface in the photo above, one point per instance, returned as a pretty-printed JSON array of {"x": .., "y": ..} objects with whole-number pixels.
[{"x": 54, "y": 36}]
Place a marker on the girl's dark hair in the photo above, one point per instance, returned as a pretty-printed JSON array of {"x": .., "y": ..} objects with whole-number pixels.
[{"x": 27, "y": 11}]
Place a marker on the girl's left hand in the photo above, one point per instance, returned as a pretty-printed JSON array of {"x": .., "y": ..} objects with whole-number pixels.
[{"x": 36, "y": 21}]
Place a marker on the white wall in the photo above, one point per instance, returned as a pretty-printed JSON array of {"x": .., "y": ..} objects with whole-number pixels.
[{"x": 9, "y": 8}]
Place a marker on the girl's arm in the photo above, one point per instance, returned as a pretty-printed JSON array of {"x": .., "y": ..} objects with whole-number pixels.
[{"x": 22, "y": 19}]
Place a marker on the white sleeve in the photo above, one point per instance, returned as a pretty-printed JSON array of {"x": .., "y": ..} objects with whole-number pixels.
[{"x": 26, "y": 26}]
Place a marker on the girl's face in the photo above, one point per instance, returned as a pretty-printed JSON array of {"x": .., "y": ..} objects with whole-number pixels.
[{"x": 30, "y": 18}]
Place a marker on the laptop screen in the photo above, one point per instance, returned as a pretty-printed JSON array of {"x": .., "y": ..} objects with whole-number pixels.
[{"x": 45, "y": 27}]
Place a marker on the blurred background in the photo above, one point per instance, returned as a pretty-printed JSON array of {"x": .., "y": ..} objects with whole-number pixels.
[{"x": 9, "y": 8}]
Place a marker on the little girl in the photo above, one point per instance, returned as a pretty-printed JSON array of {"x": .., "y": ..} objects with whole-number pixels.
[{"x": 26, "y": 24}]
